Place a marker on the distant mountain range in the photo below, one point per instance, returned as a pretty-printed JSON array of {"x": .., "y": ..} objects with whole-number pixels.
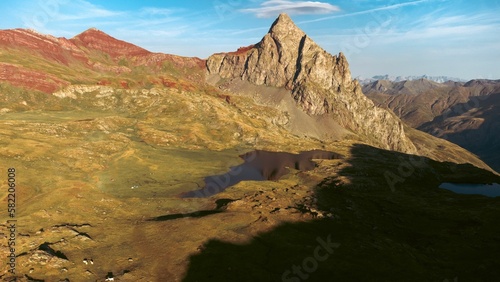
[
  {"x": 467, "y": 114},
  {"x": 440, "y": 79}
]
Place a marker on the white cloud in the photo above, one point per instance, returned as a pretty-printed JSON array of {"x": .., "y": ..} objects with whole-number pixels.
[
  {"x": 390, "y": 7},
  {"x": 83, "y": 10},
  {"x": 446, "y": 27},
  {"x": 49, "y": 16},
  {"x": 153, "y": 11},
  {"x": 271, "y": 8}
]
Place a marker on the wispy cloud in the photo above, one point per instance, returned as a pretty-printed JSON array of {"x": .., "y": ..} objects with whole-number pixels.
[
  {"x": 272, "y": 8},
  {"x": 60, "y": 13},
  {"x": 83, "y": 10},
  {"x": 369, "y": 11},
  {"x": 153, "y": 11},
  {"x": 385, "y": 8},
  {"x": 442, "y": 25},
  {"x": 438, "y": 34}
]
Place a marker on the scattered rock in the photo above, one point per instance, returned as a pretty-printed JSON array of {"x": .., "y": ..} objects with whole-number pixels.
[{"x": 110, "y": 277}]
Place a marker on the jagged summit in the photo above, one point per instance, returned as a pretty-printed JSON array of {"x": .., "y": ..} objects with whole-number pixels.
[
  {"x": 283, "y": 58},
  {"x": 283, "y": 18},
  {"x": 284, "y": 25},
  {"x": 319, "y": 82}
]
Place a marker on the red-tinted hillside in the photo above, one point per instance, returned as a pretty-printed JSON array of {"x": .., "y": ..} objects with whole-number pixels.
[
  {"x": 59, "y": 49},
  {"x": 30, "y": 79},
  {"x": 46, "y": 63},
  {"x": 98, "y": 40}
]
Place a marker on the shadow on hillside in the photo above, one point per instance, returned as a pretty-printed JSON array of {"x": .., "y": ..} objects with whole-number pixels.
[
  {"x": 196, "y": 214},
  {"x": 413, "y": 232},
  {"x": 483, "y": 141}
]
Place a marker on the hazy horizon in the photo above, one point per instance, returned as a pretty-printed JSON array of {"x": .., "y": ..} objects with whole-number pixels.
[{"x": 399, "y": 38}]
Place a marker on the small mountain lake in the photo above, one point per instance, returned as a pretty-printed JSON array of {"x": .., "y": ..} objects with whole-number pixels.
[
  {"x": 260, "y": 166},
  {"x": 490, "y": 190}
]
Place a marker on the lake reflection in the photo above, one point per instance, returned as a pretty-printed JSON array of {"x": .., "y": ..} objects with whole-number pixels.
[
  {"x": 260, "y": 166},
  {"x": 490, "y": 190}
]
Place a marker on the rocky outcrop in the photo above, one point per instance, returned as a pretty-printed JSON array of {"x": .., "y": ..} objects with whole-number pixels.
[
  {"x": 319, "y": 82},
  {"x": 73, "y": 91}
]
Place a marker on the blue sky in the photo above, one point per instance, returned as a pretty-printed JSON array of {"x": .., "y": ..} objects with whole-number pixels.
[{"x": 407, "y": 37}]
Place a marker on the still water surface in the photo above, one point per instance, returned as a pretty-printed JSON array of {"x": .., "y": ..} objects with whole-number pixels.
[{"x": 490, "y": 190}]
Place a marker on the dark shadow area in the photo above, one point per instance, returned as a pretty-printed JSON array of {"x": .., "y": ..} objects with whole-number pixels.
[
  {"x": 483, "y": 141},
  {"x": 31, "y": 279},
  {"x": 46, "y": 248},
  {"x": 260, "y": 166},
  {"x": 110, "y": 276},
  {"x": 489, "y": 190},
  {"x": 222, "y": 203},
  {"x": 196, "y": 214},
  {"x": 413, "y": 231}
]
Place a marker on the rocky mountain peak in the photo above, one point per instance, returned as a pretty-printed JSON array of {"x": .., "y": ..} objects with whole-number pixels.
[
  {"x": 284, "y": 27},
  {"x": 283, "y": 18},
  {"x": 283, "y": 58},
  {"x": 319, "y": 82}
]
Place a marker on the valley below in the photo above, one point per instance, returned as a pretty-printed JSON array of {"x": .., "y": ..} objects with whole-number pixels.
[
  {"x": 465, "y": 113},
  {"x": 104, "y": 184}
]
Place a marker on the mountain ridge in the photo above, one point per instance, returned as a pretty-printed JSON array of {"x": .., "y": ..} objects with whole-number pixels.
[
  {"x": 47, "y": 64},
  {"x": 94, "y": 38},
  {"x": 102, "y": 161},
  {"x": 439, "y": 79},
  {"x": 463, "y": 113},
  {"x": 319, "y": 82},
  {"x": 324, "y": 99}
]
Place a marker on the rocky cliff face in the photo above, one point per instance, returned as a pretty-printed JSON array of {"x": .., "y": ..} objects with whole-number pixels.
[{"x": 319, "y": 82}]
